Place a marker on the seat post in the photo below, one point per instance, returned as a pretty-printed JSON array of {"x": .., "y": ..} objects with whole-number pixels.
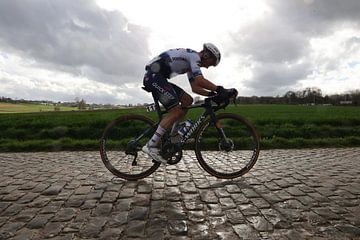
[{"x": 157, "y": 106}]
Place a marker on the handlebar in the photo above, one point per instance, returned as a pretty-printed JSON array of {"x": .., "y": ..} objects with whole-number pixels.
[{"x": 223, "y": 102}]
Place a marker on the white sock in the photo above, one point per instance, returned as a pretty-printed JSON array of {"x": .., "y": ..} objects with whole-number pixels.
[{"x": 154, "y": 141}]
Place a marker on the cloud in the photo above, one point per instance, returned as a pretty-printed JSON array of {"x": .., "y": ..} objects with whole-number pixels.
[
  {"x": 62, "y": 49},
  {"x": 278, "y": 49},
  {"x": 77, "y": 37},
  {"x": 38, "y": 88},
  {"x": 273, "y": 41},
  {"x": 274, "y": 78},
  {"x": 316, "y": 17}
]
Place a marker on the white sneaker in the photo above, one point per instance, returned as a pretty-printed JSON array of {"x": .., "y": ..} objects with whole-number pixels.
[{"x": 153, "y": 152}]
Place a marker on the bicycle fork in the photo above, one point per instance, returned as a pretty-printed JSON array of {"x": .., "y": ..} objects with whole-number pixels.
[{"x": 225, "y": 143}]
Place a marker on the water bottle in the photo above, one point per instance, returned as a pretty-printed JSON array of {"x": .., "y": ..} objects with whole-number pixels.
[{"x": 186, "y": 127}]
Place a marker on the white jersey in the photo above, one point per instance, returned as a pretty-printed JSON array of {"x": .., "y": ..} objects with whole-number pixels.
[{"x": 183, "y": 60}]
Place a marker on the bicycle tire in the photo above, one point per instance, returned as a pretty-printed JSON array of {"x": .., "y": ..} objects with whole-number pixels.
[
  {"x": 220, "y": 162},
  {"x": 113, "y": 144}
]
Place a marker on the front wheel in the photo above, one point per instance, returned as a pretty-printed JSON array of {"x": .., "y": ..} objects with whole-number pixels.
[
  {"x": 120, "y": 147},
  {"x": 228, "y": 157}
]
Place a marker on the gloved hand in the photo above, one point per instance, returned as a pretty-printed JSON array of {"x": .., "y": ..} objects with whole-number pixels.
[
  {"x": 223, "y": 95},
  {"x": 226, "y": 93},
  {"x": 232, "y": 92},
  {"x": 221, "y": 92}
]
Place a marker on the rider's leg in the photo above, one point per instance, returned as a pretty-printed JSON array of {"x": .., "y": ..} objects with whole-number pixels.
[
  {"x": 170, "y": 97},
  {"x": 174, "y": 114},
  {"x": 152, "y": 147},
  {"x": 177, "y": 112},
  {"x": 176, "y": 109},
  {"x": 186, "y": 100}
]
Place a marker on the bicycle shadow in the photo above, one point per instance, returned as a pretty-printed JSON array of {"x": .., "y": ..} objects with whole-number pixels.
[
  {"x": 241, "y": 183},
  {"x": 220, "y": 183}
]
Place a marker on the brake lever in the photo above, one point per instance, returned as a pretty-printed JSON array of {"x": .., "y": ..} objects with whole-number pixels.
[
  {"x": 225, "y": 103},
  {"x": 234, "y": 101},
  {"x": 234, "y": 98}
]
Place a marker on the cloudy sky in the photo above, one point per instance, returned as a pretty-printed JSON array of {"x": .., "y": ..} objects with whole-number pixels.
[{"x": 96, "y": 49}]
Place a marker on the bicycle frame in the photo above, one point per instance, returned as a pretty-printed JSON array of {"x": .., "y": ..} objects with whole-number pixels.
[{"x": 209, "y": 111}]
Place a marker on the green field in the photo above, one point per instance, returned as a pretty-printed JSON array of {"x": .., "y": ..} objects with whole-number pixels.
[
  {"x": 280, "y": 126},
  {"x": 26, "y": 108}
]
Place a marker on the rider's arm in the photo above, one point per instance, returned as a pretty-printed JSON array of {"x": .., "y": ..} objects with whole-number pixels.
[{"x": 201, "y": 85}]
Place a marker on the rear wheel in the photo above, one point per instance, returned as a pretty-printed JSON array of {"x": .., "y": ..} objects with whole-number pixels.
[
  {"x": 120, "y": 147},
  {"x": 230, "y": 157}
]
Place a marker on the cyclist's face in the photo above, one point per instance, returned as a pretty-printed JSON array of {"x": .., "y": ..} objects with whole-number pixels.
[{"x": 207, "y": 62}]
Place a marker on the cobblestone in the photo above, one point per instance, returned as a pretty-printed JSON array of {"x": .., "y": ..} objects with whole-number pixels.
[{"x": 289, "y": 194}]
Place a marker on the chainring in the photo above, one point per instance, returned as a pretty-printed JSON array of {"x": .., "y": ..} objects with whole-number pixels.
[{"x": 171, "y": 152}]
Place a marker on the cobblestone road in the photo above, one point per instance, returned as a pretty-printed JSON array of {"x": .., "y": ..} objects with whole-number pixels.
[{"x": 289, "y": 194}]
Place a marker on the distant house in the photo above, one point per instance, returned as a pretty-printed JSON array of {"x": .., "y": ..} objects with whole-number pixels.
[{"x": 346, "y": 102}]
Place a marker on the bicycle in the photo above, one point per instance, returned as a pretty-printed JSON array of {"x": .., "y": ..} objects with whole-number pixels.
[{"x": 226, "y": 144}]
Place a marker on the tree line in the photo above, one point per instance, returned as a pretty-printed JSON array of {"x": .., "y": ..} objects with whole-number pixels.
[
  {"x": 78, "y": 103},
  {"x": 309, "y": 96}
]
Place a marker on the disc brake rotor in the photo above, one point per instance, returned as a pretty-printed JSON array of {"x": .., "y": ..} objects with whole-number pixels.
[{"x": 226, "y": 145}]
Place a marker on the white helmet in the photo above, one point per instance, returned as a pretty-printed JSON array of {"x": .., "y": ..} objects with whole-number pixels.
[{"x": 214, "y": 50}]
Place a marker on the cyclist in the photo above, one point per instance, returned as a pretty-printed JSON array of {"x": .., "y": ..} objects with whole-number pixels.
[{"x": 167, "y": 65}]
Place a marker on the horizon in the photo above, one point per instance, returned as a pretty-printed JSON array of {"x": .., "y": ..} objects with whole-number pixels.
[{"x": 76, "y": 99}]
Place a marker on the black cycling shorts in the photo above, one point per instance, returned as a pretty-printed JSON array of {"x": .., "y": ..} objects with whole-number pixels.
[{"x": 167, "y": 93}]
